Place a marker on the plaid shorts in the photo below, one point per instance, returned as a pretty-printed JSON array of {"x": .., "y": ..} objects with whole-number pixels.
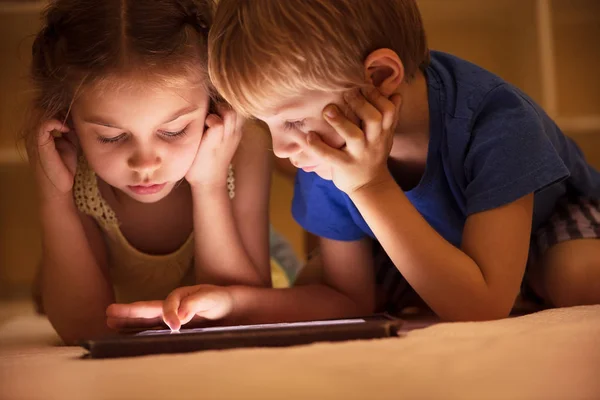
[{"x": 573, "y": 218}]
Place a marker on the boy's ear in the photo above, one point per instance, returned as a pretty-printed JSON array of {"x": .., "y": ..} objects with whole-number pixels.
[{"x": 384, "y": 70}]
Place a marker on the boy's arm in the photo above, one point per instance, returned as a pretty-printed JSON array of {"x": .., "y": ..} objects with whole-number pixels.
[
  {"x": 74, "y": 278},
  {"x": 476, "y": 282}
]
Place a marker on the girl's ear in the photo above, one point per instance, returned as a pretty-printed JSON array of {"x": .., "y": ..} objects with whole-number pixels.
[
  {"x": 71, "y": 136},
  {"x": 384, "y": 70}
]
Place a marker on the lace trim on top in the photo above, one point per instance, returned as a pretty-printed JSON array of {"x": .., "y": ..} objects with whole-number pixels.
[{"x": 88, "y": 198}]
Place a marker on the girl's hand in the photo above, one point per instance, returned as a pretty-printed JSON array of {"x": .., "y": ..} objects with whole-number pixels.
[
  {"x": 216, "y": 150},
  {"x": 138, "y": 315},
  {"x": 198, "y": 303},
  {"x": 57, "y": 159},
  {"x": 205, "y": 301},
  {"x": 363, "y": 161}
]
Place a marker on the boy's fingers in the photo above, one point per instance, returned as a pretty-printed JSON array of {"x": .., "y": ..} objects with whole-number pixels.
[
  {"x": 385, "y": 106},
  {"x": 397, "y": 102},
  {"x": 323, "y": 151},
  {"x": 370, "y": 116},
  {"x": 352, "y": 134}
]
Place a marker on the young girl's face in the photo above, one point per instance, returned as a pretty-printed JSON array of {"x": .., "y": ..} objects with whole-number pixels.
[{"x": 139, "y": 139}]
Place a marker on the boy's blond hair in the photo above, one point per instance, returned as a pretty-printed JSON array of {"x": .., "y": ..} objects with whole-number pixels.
[{"x": 263, "y": 51}]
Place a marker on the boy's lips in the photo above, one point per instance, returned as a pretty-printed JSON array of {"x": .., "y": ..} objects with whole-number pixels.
[{"x": 147, "y": 189}]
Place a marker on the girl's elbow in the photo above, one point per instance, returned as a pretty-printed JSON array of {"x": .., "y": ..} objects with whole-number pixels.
[{"x": 487, "y": 313}]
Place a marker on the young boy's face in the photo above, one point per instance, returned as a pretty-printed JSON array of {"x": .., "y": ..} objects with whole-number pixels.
[{"x": 290, "y": 122}]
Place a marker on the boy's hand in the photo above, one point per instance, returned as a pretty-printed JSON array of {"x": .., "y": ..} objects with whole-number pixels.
[
  {"x": 363, "y": 161},
  {"x": 201, "y": 302},
  {"x": 216, "y": 150},
  {"x": 56, "y": 160}
]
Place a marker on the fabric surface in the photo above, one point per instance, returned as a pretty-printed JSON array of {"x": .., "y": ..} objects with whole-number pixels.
[{"x": 553, "y": 354}]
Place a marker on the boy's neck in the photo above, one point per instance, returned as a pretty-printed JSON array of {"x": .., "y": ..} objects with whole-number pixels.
[{"x": 411, "y": 138}]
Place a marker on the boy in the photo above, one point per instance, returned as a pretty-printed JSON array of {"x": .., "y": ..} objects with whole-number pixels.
[{"x": 460, "y": 177}]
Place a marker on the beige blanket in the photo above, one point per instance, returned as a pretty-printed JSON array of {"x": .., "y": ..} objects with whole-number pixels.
[{"x": 554, "y": 354}]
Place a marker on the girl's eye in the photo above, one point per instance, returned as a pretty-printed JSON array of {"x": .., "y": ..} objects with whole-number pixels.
[
  {"x": 113, "y": 139},
  {"x": 172, "y": 135},
  {"x": 289, "y": 125}
]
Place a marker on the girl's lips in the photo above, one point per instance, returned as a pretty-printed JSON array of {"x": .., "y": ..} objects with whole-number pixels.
[{"x": 147, "y": 189}]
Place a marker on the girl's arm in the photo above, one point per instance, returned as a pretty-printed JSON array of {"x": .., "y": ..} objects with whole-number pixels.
[
  {"x": 232, "y": 236},
  {"x": 347, "y": 290},
  {"x": 74, "y": 280}
]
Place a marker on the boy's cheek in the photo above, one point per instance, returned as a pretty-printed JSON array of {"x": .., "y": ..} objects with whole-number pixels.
[{"x": 332, "y": 139}]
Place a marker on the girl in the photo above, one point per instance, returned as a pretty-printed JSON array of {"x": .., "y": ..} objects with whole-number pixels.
[{"x": 137, "y": 198}]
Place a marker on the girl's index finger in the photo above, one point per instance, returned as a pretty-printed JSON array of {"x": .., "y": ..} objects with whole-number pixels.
[{"x": 171, "y": 307}]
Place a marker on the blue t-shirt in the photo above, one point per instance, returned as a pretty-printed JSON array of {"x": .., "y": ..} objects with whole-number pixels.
[{"x": 489, "y": 145}]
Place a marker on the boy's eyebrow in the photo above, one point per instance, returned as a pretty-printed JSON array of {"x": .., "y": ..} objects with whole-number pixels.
[{"x": 100, "y": 121}]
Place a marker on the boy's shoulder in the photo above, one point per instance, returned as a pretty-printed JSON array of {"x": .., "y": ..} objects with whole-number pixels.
[{"x": 468, "y": 89}]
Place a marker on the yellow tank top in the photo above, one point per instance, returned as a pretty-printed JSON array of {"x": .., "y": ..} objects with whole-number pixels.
[{"x": 135, "y": 275}]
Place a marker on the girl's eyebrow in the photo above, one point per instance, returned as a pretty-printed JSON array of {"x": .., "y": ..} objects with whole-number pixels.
[
  {"x": 186, "y": 110},
  {"x": 100, "y": 121}
]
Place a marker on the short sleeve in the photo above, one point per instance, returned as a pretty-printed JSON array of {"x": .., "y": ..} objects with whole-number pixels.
[
  {"x": 510, "y": 154},
  {"x": 321, "y": 208}
]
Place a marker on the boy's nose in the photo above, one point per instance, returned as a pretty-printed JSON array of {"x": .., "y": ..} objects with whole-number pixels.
[{"x": 285, "y": 148}]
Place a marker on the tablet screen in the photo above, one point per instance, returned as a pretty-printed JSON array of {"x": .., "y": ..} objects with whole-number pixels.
[{"x": 255, "y": 327}]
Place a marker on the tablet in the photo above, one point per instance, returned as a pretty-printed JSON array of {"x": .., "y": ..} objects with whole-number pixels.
[{"x": 229, "y": 337}]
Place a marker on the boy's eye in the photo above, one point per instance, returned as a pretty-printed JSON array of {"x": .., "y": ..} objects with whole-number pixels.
[
  {"x": 289, "y": 125},
  {"x": 113, "y": 139}
]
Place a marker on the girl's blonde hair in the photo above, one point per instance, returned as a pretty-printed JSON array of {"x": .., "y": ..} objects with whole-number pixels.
[
  {"x": 263, "y": 51},
  {"x": 84, "y": 42}
]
